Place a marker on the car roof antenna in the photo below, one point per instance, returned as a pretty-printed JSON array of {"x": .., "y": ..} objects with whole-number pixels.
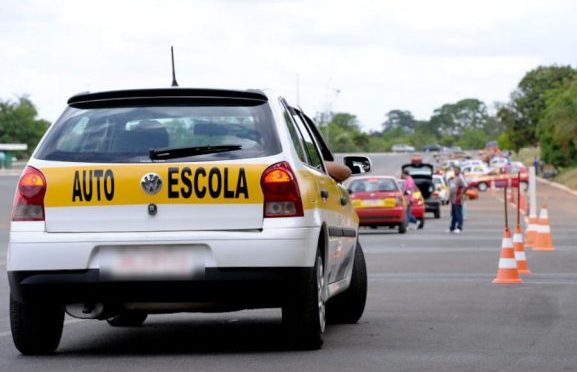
[{"x": 174, "y": 83}]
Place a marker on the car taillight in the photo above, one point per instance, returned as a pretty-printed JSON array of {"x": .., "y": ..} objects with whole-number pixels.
[
  {"x": 29, "y": 198},
  {"x": 282, "y": 197},
  {"x": 419, "y": 202}
]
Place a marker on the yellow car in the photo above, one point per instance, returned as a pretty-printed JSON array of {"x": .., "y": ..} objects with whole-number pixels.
[{"x": 182, "y": 200}]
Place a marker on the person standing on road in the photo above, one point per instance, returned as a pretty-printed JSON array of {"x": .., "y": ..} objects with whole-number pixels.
[
  {"x": 536, "y": 164},
  {"x": 409, "y": 189},
  {"x": 458, "y": 186}
]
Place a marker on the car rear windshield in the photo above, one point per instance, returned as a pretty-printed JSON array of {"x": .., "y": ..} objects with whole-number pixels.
[
  {"x": 373, "y": 185},
  {"x": 419, "y": 170},
  {"x": 127, "y": 134}
]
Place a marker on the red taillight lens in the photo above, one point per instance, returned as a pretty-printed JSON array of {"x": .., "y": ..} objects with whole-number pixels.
[
  {"x": 29, "y": 198},
  {"x": 282, "y": 197}
]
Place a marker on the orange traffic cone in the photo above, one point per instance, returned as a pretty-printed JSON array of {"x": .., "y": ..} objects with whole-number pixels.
[
  {"x": 520, "y": 256},
  {"x": 507, "y": 272},
  {"x": 543, "y": 241},
  {"x": 531, "y": 231}
]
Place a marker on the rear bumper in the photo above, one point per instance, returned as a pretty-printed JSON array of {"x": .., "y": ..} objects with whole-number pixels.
[
  {"x": 232, "y": 287},
  {"x": 432, "y": 205},
  {"x": 418, "y": 211},
  {"x": 381, "y": 216}
]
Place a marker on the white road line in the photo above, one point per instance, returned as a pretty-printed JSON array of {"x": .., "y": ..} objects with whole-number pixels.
[{"x": 66, "y": 322}]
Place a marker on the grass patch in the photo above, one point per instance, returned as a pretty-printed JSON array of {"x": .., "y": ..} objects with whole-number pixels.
[
  {"x": 526, "y": 155},
  {"x": 567, "y": 177}
]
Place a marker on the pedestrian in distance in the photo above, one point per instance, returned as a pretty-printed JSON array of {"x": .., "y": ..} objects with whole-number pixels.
[
  {"x": 458, "y": 186},
  {"x": 536, "y": 164},
  {"x": 410, "y": 187}
]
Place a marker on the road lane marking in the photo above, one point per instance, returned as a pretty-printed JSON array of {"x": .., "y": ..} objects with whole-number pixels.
[
  {"x": 553, "y": 279},
  {"x": 66, "y": 322}
]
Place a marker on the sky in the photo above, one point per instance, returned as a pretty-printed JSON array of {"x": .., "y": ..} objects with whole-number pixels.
[{"x": 358, "y": 56}]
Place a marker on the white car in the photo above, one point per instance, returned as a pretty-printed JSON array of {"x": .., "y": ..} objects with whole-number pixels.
[
  {"x": 182, "y": 200},
  {"x": 441, "y": 188},
  {"x": 499, "y": 162},
  {"x": 402, "y": 148}
]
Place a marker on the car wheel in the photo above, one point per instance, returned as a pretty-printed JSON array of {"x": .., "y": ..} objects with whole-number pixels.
[
  {"x": 348, "y": 307},
  {"x": 403, "y": 228},
  {"x": 421, "y": 223},
  {"x": 36, "y": 327},
  {"x": 437, "y": 213},
  {"x": 304, "y": 319},
  {"x": 128, "y": 318},
  {"x": 482, "y": 187}
]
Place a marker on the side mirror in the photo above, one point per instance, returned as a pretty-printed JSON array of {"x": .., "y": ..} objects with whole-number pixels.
[{"x": 358, "y": 164}]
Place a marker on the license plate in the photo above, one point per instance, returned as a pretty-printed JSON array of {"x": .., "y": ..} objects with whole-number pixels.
[
  {"x": 150, "y": 263},
  {"x": 373, "y": 203}
]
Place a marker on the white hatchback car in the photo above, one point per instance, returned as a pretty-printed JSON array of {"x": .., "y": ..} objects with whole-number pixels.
[{"x": 171, "y": 200}]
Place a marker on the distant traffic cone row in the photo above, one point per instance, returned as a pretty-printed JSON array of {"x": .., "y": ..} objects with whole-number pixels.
[
  {"x": 543, "y": 240},
  {"x": 507, "y": 272},
  {"x": 520, "y": 255}
]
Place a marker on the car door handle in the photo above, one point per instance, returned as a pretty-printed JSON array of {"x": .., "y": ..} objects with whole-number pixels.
[
  {"x": 324, "y": 194},
  {"x": 344, "y": 200}
]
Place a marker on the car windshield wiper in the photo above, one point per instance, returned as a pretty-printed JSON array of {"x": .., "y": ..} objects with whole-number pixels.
[{"x": 182, "y": 152}]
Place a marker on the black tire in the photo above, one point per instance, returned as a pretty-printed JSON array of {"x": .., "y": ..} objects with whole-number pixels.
[
  {"x": 348, "y": 307},
  {"x": 403, "y": 228},
  {"x": 36, "y": 327},
  {"x": 437, "y": 213},
  {"x": 128, "y": 318},
  {"x": 304, "y": 318},
  {"x": 421, "y": 223},
  {"x": 482, "y": 187}
]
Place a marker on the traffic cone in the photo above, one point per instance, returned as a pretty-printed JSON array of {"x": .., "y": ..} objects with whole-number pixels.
[
  {"x": 507, "y": 272},
  {"x": 543, "y": 241},
  {"x": 531, "y": 231},
  {"x": 520, "y": 256}
]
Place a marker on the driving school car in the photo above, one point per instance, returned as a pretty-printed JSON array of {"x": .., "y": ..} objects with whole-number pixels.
[{"x": 169, "y": 200}]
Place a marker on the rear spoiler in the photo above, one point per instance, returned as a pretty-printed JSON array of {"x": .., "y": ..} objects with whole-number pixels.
[{"x": 163, "y": 96}]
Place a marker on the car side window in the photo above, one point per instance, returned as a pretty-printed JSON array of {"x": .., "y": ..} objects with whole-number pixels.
[
  {"x": 294, "y": 133},
  {"x": 315, "y": 158}
]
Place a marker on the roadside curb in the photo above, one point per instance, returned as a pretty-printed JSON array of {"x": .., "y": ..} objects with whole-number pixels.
[{"x": 557, "y": 186}]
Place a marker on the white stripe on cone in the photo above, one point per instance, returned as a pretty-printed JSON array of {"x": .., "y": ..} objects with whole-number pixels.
[
  {"x": 507, "y": 263},
  {"x": 507, "y": 243},
  {"x": 518, "y": 238},
  {"x": 520, "y": 256},
  {"x": 543, "y": 229}
]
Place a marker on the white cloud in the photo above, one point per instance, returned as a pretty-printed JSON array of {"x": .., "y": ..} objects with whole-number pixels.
[{"x": 382, "y": 55}]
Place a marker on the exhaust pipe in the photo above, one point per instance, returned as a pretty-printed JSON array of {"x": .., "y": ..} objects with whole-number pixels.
[{"x": 87, "y": 310}]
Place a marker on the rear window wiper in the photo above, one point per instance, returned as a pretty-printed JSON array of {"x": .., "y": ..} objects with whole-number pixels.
[{"x": 182, "y": 152}]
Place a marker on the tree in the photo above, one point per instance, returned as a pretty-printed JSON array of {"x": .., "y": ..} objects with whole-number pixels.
[
  {"x": 528, "y": 101},
  {"x": 18, "y": 123},
  {"x": 399, "y": 119},
  {"x": 453, "y": 119},
  {"x": 557, "y": 127}
]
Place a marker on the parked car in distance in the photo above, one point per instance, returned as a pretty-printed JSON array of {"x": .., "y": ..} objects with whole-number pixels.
[
  {"x": 402, "y": 148},
  {"x": 432, "y": 148},
  {"x": 441, "y": 188},
  {"x": 378, "y": 201}
]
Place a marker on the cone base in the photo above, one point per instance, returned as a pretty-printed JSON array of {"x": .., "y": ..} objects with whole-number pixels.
[
  {"x": 526, "y": 272},
  {"x": 543, "y": 249},
  {"x": 507, "y": 281}
]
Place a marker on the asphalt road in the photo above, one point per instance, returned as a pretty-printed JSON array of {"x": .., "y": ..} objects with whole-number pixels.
[{"x": 431, "y": 307}]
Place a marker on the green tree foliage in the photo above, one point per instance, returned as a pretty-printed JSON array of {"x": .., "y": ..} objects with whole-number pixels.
[
  {"x": 399, "y": 119},
  {"x": 18, "y": 123},
  {"x": 528, "y": 101},
  {"x": 557, "y": 127},
  {"x": 453, "y": 119}
]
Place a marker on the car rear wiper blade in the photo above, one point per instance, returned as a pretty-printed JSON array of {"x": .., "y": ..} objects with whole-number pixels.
[{"x": 182, "y": 152}]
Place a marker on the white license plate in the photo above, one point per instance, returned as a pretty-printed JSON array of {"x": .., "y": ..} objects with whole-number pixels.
[
  {"x": 373, "y": 203},
  {"x": 151, "y": 263}
]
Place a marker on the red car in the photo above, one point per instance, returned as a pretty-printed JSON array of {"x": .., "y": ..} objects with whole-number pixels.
[
  {"x": 507, "y": 176},
  {"x": 379, "y": 201}
]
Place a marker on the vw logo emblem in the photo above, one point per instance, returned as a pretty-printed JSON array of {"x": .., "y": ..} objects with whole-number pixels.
[{"x": 151, "y": 183}]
